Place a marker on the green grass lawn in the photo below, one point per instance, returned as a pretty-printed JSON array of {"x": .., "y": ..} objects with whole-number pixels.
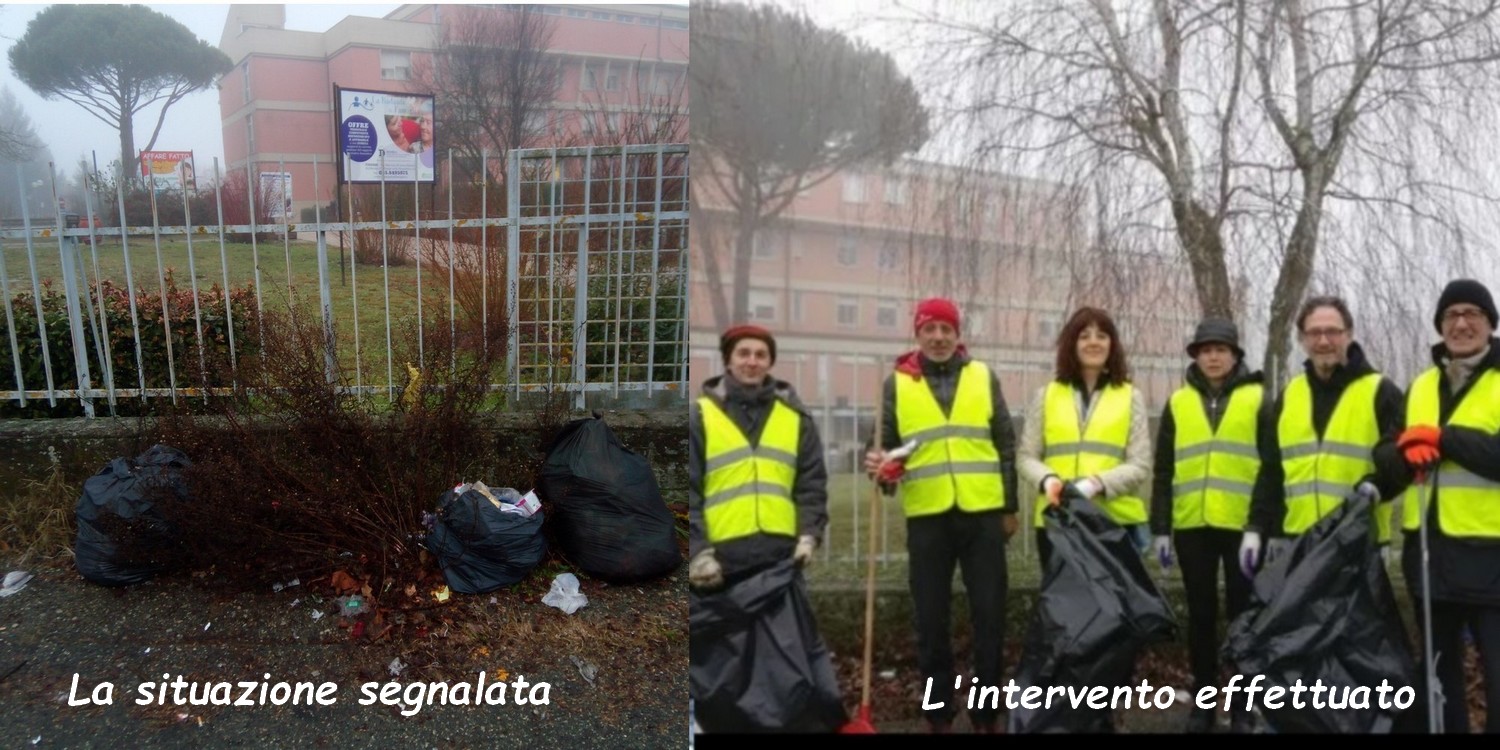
[
  {"x": 287, "y": 272},
  {"x": 849, "y": 508}
]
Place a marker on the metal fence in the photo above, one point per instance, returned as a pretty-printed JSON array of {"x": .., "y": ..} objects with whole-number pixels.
[{"x": 585, "y": 272}]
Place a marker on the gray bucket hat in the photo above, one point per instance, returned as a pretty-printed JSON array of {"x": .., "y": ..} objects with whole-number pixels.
[{"x": 1216, "y": 331}]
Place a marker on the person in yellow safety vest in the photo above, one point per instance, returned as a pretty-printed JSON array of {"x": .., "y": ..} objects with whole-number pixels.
[
  {"x": 1319, "y": 448},
  {"x": 958, "y": 492},
  {"x": 1452, "y": 435},
  {"x": 757, "y": 485},
  {"x": 1206, "y": 463},
  {"x": 1086, "y": 433}
]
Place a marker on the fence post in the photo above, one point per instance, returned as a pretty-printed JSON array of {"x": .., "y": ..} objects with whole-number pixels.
[
  {"x": 325, "y": 291},
  {"x": 70, "y": 291},
  {"x": 581, "y": 288},
  {"x": 513, "y": 273}
]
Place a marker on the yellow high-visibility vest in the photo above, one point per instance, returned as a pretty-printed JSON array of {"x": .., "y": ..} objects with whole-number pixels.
[
  {"x": 956, "y": 462},
  {"x": 748, "y": 490},
  {"x": 1215, "y": 470},
  {"x": 1468, "y": 504},
  {"x": 1320, "y": 473},
  {"x": 1074, "y": 453}
]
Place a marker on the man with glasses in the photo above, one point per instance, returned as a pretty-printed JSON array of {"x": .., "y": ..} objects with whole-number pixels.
[
  {"x": 1319, "y": 442},
  {"x": 1452, "y": 439}
]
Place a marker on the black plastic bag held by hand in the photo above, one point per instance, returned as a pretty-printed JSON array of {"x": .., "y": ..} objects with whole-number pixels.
[
  {"x": 1097, "y": 608},
  {"x": 1326, "y": 611}
]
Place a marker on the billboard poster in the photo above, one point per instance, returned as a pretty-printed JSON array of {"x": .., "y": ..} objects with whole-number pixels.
[
  {"x": 276, "y": 191},
  {"x": 397, "y": 125},
  {"x": 169, "y": 170}
]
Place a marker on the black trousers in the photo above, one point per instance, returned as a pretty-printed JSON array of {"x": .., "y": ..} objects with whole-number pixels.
[
  {"x": 1202, "y": 553},
  {"x": 1448, "y": 622},
  {"x": 935, "y": 545}
]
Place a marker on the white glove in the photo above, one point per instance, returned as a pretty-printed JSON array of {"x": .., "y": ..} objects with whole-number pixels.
[
  {"x": 904, "y": 451},
  {"x": 1385, "y": 555},
  {"x": 1369, "y": 490},
  {"x": 704, "y": 571},
  {"x": 1089, "y": 486},
  {"x": 1249, "y": 553},
  {"x": 1162, "y": 545},
  {"x": 804, "y": 554}
]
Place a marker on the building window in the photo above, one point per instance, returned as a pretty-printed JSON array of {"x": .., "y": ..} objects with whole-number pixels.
[
  {"x": 536, "y": 123},
  {"x": 586, "y": 81},
  {"x": 395, "y": 65},
  {"x": 764, "y": 246},
  {"x": 848, "y": 311},
  {"x": 974, "y": 323},
  {"x": 612, "y": 122},
  {"x": 586, "y": 123},
  {"x": 575, "y": 13},
  {"x": 762, "y": 305},
  {"x": 890, "y": 258},
  {"x": 796, "y": 306},
  {"x": 854, "y": 187},
  {"x": 1046, "y": 330},
  {"x": 895, "y": 190},
  {"x": 611, "y": 80},
  {"x": 848, "y": 250},
  {"x": 885, "y": 315}
]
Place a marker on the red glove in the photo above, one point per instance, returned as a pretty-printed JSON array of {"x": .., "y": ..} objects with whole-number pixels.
[
  {"x": 892, "y": 471},
  {"x": 1419, "y": 446}
]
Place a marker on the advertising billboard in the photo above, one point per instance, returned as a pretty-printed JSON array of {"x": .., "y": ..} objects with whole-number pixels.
[
  {"x": 169, "y": 170},
  {"x": 397, "y": 126}
]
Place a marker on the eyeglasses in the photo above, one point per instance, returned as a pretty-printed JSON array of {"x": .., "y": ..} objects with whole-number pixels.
[
  {"x": 1471, "y": 315},
  {"x": 1313, "y": 334}
]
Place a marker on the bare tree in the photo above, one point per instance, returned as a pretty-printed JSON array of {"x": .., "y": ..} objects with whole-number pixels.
[
  {"x": 492, "y": 78},
  {"x": 783, "y": 105},
  {"x": 1253, "y": 132},
  {"x": 20, "y": 146}
]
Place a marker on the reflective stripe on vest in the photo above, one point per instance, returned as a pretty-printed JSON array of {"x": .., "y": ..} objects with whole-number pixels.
[
  {"x": 1320, "y": 473},
  {"x": 956, "y": 462},
  {"x": 1468, "y": 504},
  {"x": 1215, "y": 469},
  {"x": 748, "y": 490},
  {"x": 1074, "y": 453}
]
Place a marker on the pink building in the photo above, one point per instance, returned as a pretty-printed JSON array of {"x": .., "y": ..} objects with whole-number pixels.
[
  {"x": 836, "y": 279},
  {"x": 276, "y": 104}
]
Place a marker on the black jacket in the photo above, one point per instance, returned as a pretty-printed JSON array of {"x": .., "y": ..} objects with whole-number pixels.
[
  {"x": 942, "y": 378},
  {"x": 1268, "y": 503},
  {"x": 1214, "y": 404},
  {"x": 1463, "y": 570},
  {"x": 749, "y": 407}
]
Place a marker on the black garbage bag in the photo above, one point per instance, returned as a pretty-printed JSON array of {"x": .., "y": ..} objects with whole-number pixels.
[
  {"x": 123, "y": 538},
  {"x": 481, "y": 547},
  {"x": 756, "y": 660},
  {"x": 1326, "y": 612},
  {"x": 607, "y": 510},
  {"x": 1097, "y": 608}
]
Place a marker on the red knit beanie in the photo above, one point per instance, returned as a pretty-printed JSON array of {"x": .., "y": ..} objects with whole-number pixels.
[
  {"x": 733, "y": 335},
  {"x": 936, "y": 308}
]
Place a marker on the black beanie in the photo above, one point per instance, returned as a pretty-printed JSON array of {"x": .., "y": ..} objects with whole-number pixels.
[{"x": 1468, "y": 291}]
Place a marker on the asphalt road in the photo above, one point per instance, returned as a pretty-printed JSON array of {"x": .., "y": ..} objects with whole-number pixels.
[{"x": 60, "y": 625}]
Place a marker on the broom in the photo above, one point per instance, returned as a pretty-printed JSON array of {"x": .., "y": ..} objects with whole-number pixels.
[{"x": 861, "y": 723}]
